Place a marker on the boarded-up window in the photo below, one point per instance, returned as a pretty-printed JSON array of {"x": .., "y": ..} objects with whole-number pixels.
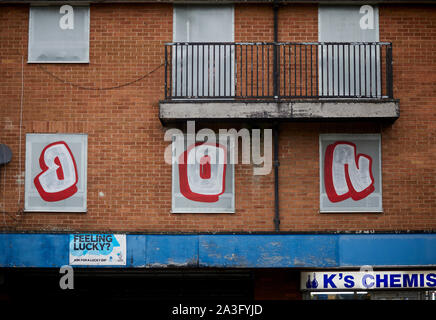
[
  {"x": 207, "y": 69},
  {"x": 56, "y": 172},
  {"x": 349, "y": 70},
  {"x": 203, "y": 177},
  {"x": 350, "y": 173},
  {"x": 59, "y": 34}
]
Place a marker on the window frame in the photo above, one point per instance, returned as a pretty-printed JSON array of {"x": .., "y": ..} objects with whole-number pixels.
[
  {"x": 174, "y": 180},
  {"x": 352, "y": 137},
  {"x": 29, "y": 175},
  {"x": 201, "y": 5},
  {"x": 358, "y": 80},
  {"x": 376, "y": 19},
  {"x": 30, "y": 34},
  {"x": 190, "y": 89}
]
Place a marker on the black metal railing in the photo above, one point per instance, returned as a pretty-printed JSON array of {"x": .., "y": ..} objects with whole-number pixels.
[{"x": 278, "y": 70}]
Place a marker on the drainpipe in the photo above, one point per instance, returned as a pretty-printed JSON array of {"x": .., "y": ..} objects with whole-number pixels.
[
  {"x": 276, "y": 164},
  {"x": 275, "y": 125}
]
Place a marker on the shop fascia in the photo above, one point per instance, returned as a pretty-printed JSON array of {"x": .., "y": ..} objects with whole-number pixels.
[{"x": 358, "y": 280}]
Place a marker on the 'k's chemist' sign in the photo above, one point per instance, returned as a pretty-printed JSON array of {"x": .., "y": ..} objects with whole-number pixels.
[
  {"x": 368, "y": 280},
  {"x": 98, "y": 249}
]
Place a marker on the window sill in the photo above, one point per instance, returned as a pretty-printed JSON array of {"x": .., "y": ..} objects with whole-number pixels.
[{"x": 59, "y": 62}]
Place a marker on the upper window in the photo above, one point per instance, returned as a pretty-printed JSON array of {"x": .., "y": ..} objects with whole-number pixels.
[
  {"x": 203, "y": 23},
  {"x": 202, "y": 68},
  {"x": 350, "y": 62},
  {"x": 348, "y": 24},
  {"x": 59, "y": 34}
]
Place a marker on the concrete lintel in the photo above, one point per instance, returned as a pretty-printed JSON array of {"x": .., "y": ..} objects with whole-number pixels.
[{"x": 367, "y": 109}]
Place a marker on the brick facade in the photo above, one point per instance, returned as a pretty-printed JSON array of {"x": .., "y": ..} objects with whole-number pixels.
[{"x": 129, "y": 185}]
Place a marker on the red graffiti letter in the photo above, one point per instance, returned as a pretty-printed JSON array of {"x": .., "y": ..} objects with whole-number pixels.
[
  {"x": 347, "y": 174},
  {"x": 201, "y": 178},
  {"x": 58, "y": 178}
]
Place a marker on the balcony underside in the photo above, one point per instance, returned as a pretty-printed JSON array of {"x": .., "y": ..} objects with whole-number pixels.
[{"x": 182, "y": 110}]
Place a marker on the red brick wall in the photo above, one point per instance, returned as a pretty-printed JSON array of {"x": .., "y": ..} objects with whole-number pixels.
[
  {"x": 409, "y": 144},
  {"x": 254, "y": 23},
  {"x": 297, "y": 23},
  {"x": 125, "y": 137}
]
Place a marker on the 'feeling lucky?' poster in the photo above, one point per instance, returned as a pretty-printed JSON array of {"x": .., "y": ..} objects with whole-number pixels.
[{"x": 98, "y": 249}]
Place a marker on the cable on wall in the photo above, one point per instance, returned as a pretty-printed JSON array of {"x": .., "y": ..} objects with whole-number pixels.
[
  {"x": 97, "y": 88},
  {"x": 20, "y": 129}
]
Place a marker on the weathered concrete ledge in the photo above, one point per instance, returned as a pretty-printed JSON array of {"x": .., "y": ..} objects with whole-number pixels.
[{"x": 289, "y": 110}]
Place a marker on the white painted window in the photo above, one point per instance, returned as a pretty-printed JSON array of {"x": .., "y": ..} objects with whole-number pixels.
[
  {"x": 202, "y": 177},
  {"x": 203, "y": 70},
  {"x": 59, "y": 34},
  {"x": 350, "y": 173},
  {"x": 56, "y": 172},
  {"x": 349, "y": 70}
]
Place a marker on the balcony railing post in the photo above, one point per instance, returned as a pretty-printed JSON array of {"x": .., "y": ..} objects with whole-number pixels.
[
  {"x": 389, "y": 72},
  {"x": 276, "y": 51},
  {"x": 166, "y": 69},
  {"x": 275, "y": 71}
]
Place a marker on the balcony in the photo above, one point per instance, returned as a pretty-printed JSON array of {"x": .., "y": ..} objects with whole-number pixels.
[{"x": 286, "y": 81}]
